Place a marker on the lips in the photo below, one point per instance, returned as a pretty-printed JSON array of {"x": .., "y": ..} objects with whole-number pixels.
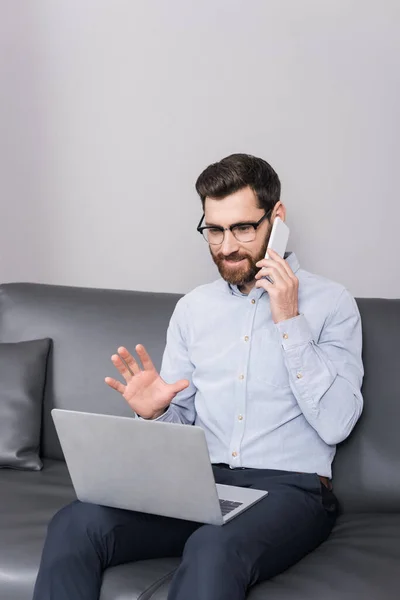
[{"x": 233, "y": 262}]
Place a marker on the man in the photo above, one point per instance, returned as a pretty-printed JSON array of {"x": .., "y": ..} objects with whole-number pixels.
[{"x": 272, "y": 372}]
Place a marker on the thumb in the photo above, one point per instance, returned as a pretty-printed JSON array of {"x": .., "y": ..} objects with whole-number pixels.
[{"x": 180, "y": 385}]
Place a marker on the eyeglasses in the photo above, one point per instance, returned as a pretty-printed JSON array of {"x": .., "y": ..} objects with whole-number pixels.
[{"x": 243, "y": 232}]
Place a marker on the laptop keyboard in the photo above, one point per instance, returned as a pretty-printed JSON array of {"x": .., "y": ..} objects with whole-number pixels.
[{"x": 227, "y": 506}]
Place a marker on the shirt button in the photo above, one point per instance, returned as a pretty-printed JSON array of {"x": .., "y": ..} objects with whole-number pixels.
[
  {"x": 246, "y": 338},
  {"x": 240, "y": 417},
  {"x": 234, "y": 454},
  {"x": 299, "y": 375},
  {"x": 285, "y": 336},
  {"x": 241, "y": 376},
  {"x": 253, "y": 301}
]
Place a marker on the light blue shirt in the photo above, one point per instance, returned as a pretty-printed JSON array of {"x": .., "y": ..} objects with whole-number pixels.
[{"x": 268, "y": 396}]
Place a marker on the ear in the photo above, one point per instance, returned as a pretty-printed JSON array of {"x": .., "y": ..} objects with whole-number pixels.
[{"x": 279, "y": 211}]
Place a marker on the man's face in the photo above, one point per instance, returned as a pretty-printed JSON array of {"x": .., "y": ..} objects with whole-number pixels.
[{"x": 236, "y": 261}]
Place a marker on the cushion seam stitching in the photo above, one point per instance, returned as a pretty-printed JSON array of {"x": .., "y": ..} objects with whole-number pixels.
[{"x": 154, "y": 586}]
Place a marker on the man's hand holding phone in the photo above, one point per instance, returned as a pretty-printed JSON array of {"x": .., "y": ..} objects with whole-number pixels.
[
  {"x": 284, "y": 291},
  {"x": 276, "y": 276},
  {"x": 145, "y": 391}
]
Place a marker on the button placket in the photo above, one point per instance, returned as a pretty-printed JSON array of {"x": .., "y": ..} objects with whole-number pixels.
[{"x": 240, "y": 408}]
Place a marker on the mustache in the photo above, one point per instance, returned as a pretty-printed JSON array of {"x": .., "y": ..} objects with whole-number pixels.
[{"x": 233, "y": 257}]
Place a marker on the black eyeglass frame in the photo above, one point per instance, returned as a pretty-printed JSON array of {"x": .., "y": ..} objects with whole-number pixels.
[{"x": 254, "y": 224}]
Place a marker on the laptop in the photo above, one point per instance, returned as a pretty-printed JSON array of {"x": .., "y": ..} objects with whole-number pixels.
[{"x": 147, "y": 466}]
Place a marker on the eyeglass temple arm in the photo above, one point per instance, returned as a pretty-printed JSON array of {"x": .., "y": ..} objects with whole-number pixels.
[{"x": 200, "y": 222}]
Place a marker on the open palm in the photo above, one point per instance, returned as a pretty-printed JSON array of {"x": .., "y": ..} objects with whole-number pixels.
[{"x": 145, "y": 391}]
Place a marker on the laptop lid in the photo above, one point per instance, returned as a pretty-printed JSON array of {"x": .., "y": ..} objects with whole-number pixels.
[{"x": 147, "y": 466}]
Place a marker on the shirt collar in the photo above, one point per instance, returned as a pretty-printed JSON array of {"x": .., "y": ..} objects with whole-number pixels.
[{"x": 291, "y": 260}]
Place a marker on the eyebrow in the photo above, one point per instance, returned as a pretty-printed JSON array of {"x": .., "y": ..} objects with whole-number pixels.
[{"x": 233, "y": 224}]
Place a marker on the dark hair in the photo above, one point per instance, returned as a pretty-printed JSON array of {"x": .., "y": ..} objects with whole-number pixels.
[{"x": 236, "y": 172}]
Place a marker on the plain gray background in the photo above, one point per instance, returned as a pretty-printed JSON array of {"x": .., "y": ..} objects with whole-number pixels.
[{"x": 109, "y": 110}]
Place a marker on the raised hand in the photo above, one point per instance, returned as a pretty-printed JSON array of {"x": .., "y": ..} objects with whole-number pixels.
[{"x": 144, "y": 390}]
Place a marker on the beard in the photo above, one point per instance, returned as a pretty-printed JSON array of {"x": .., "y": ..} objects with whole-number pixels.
[{"x": 245, "y": 271}]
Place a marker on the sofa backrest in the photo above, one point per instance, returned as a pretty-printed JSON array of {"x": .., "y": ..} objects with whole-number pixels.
[
  {"x": 88, "y": 325},
  {"x": 367, "y": 465}
]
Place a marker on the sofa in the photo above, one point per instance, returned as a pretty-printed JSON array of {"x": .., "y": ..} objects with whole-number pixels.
[{"x": 360, "y": 560}]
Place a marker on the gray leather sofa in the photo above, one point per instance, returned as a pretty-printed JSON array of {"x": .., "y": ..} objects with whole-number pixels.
[{"x": 361, "y": 559}]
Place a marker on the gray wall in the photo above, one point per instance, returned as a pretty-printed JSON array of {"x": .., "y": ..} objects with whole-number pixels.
[{"x": 109, "y": 109}]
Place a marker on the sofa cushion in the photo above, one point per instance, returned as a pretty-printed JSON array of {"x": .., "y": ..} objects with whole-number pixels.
[
  {"x": 28, "y": 500},
  {"x": 86, "y": 327},
  {"x": 137, "y": 581},
  {"x": 359, "y": 561},
  {"x": 366, "y": 468},
  {"x": 27, "y": 503},
  {"x": 22, "y": 378}
]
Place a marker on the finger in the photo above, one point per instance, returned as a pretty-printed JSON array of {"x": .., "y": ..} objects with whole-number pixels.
[
  {"x": 145, "y": 358},
  {"x": 277, "y": 262},
  {"x": 122, "y": 368},
  {"x": 276, "y": 273},
  {"x": 180, "y": 385},
  {"x": 265, "y": 284},
  {"x": 115, "y": 384},
  {"x": 273, "y": 264},
  {"x": 129, "y": 359},
  {"x": 264, "y": 262},
  {"x": 277, "y": 277},
  {"x": 275, "y": 256}
]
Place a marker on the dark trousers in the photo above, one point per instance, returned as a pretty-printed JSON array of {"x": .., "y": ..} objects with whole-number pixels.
[{"x": 218, "y": 563}]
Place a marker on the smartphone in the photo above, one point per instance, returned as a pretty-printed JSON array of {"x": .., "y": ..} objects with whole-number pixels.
[
  {"x": 278, "y": 240},
  {"x": 279, "y": 237}
]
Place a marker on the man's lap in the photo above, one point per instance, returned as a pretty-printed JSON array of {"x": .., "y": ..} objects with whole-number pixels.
[
  {"x": 291, "y": 521},
  {"x": 296, "y": 516}
]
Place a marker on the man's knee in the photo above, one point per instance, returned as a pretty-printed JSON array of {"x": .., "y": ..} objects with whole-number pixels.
[
  {"x": 74, "y": 521},
  {"x": 213, "y": 551},
  {"x": 210, "y": 541}
]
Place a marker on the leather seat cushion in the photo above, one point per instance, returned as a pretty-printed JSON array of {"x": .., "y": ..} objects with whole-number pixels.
[
  {"x": 360, "y": 560},
  {"x": 28, "y": 500}
]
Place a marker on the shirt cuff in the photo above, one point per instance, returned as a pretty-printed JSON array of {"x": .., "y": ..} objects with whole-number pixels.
[
  {"x": 166, "y": 416},
  {"x": 294, "y": 332}
]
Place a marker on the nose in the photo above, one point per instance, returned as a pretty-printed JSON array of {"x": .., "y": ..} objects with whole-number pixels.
[{"x": 230, "y": 244}]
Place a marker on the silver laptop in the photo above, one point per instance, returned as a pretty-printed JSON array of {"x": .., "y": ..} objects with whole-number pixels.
[{"x": 147, "y": 466}]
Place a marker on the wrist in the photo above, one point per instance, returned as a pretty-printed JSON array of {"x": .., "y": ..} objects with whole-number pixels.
[
  {"x": 159, "y": 413},
  {"x": 154, "y": 415}
]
